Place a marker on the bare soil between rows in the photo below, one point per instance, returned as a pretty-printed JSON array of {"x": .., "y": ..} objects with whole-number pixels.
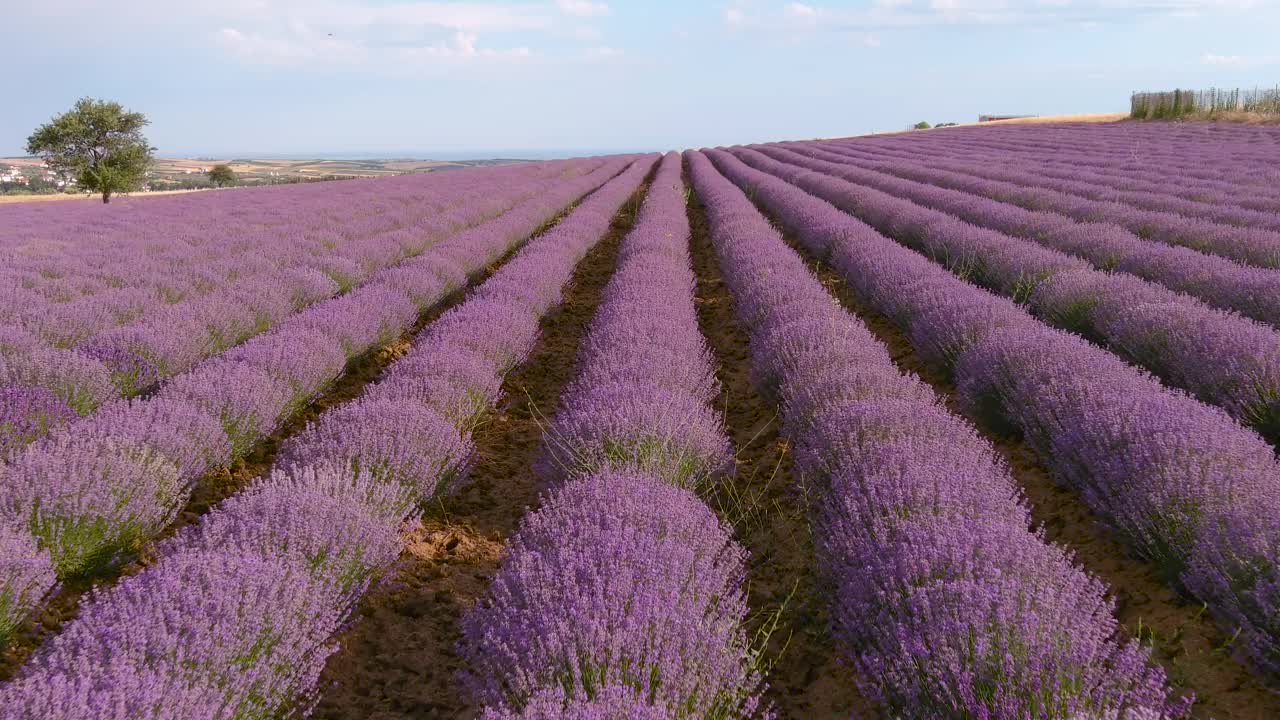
[
  {"x": 399, "y": 659},
  {"x": 1197, "y": 656},
  {"x": 806, "y": 678},
  {"x": 222, "y": 482}
]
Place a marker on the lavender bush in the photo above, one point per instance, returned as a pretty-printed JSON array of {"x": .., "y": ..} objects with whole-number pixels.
[
  {"x": 942, "y": 597},
  {"x": 248, "y": 392},
  {"x": 1253, "y": 292},
  {"x": 1191, "y": 489},
  {"x": 27, "y": 413},
  {"x": 622, "y": 596},
  {"x": 1259, "y": 246},
  {"x": 26, "y": 577},
  {"x": 617, "y": 580},
  {"x": 1220, "y": 357},
  {"x": 238, "y": 612},
  {"x": 124, "y": 329}
]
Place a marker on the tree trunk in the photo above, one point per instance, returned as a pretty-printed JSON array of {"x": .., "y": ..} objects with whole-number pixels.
[{"x": 106, "y": 196}]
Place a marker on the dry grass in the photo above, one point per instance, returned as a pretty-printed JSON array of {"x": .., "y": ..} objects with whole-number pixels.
[
  {"x": 92, "y": 197},
  {"x": 5, "y": 199},
  {"x": 1080, "y": 117}
]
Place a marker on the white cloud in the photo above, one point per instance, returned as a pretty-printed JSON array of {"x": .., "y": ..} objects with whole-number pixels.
[
  {"x": 379, "y": 37},
  {"x": 603, "y": 52},
  {"x": 462, "y": 46},
  {"x": 300, "y": 47},
  {"x": 800, "y": 14},
  {"x": 883, "y": 15},
  {"x": 1239, "y": 60},
  {"x": 799, "y": 10},
  {"x": 582, "y": 8},
  {"x": 735, "y": 17},
  {"x": 1211, "y": 59},
  {"x": 585, "y": 33}
]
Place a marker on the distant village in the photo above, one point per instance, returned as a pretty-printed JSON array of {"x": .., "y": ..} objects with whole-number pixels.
[
  {"x": 29, "y": 178},
  {"x": 17, "y": 175}
]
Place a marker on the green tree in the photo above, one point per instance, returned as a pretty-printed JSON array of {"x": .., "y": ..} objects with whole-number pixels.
[
  {"x": 222, "y": 175},
  {"x": 98, "y": 143},
  {"x": 922, "y": 125}
]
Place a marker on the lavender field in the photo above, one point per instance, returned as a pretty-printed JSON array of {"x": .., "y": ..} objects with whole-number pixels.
[{"x": 975, "y": 423}]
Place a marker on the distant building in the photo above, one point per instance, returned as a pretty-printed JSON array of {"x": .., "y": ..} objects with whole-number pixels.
[{"x": 991, "y": 118}]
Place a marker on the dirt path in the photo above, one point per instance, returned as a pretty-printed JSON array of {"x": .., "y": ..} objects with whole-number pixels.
[
  {"x": 399, "y": 659},
  {"x": 1183, "y": 638},
  {"x": 768, "y": 509},
  {"x": 89, "y": 197}
]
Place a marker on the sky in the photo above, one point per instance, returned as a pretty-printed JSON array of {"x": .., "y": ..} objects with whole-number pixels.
[{"x": 240, "y": 78}]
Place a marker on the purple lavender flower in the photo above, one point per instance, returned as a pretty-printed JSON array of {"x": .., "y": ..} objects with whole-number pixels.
[
  {"x": 246, "y": 602},
  {"x": 81, "y": 382},
  {"x": 963, "y": 609},
  {"x": 115, "y": 691},
  {"x": 581, "y": 604},
  {"x": 344, "y": 526},
  {"x": 248, "y": 400},
  {"x": 26, "y": 577},
  {"x": 611, "y": 702},
  {"x": 193, "y": 440},
  {"x": 398, "y": 442},
  {"x": 1169, "y": 472},
  {"x": 28, "y": 413},
  {"x": 91, "y": 500},
  {"x": 252, "y": 626},
  {"x": 656, "y": 432}
]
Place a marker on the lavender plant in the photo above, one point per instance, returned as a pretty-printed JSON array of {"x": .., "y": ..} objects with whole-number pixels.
[
  {"x": 1191, "y": 489},
  {"x": 941, "y": 596}
]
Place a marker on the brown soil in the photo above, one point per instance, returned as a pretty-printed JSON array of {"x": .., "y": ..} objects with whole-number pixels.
[
  {"x": 769, "y": 511},
  {"x": 220, "y": 483},
  {"x": 399, "y": 660},
  {"x": 1184, "y": 640},
  {"x": 5, "y": 199}
]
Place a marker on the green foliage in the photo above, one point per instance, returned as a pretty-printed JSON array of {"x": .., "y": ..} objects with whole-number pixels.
[
  {"x": 222, "y": 175},
  {"x": 98, "y": 143},
  {"x": 922, "y": 125}
]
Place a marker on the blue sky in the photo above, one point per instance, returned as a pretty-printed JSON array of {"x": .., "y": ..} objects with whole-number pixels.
[{"x": 376, "y": 76}]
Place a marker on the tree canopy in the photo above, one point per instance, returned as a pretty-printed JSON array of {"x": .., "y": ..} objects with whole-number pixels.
[
  {"x": 98, "y": 143},
  {"x": 222, "y": 175}
]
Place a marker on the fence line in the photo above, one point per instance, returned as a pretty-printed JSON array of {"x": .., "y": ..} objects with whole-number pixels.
[{"x": 1181, "y": 103}]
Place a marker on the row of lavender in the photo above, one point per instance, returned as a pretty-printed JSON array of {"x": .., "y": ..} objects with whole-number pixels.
[
  {"x": 1189, "y": 156},
  {"x": 1258, "y": 246},
  {"x": 121, "y": 350},
  {"x": 1196, "y": 157},
  {"x": 1251, "y": 291},
  {"x": 178, "y": 248},
  {"x": 941, "y": 595},
  {"x": 1141, "y": 185},
  {"x": 1087, "y": 173},
  {"x": 1222, "y": 358},
  {"x": 1192, "y": 490},
  {"x": 622, "y": 595},
  {"x": 236, "y": 618},
  {"x": 92, "y": 493}
]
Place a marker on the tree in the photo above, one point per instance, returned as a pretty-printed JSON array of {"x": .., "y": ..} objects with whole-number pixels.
[
  {"x": 922, "y": 125},
  {"x": 222, "y": 175},
  {"x": 98, "y": 143}
]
